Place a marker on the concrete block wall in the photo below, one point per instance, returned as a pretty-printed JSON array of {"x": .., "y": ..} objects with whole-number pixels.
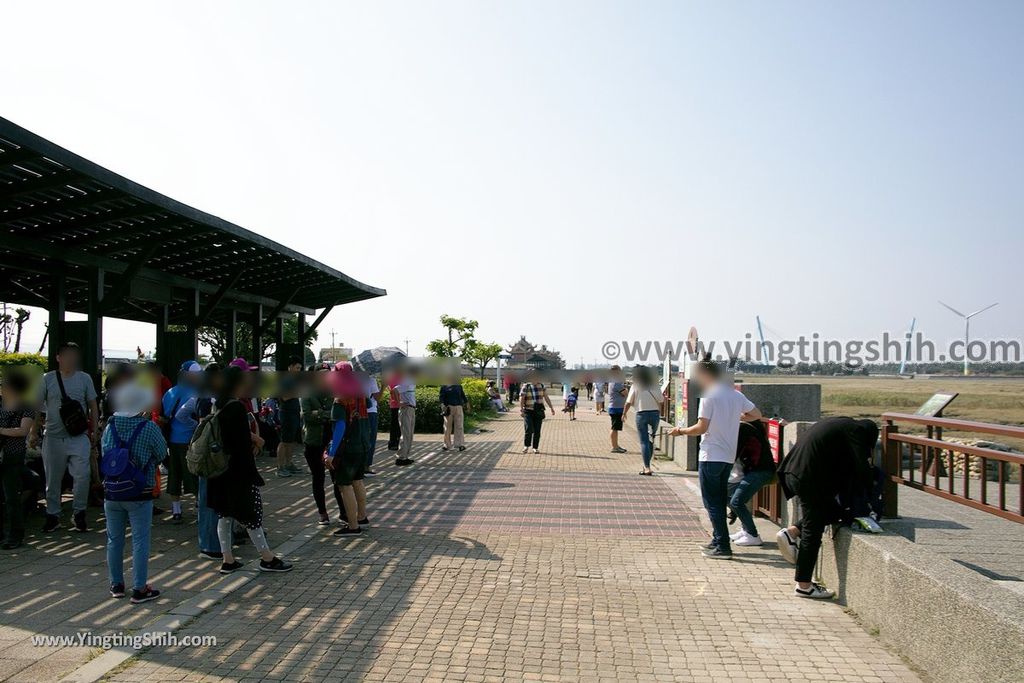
[{"x": 950, "y": 622}]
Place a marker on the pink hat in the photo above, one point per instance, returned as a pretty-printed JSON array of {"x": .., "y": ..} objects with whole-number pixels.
[{"x": 241, "y": 363}]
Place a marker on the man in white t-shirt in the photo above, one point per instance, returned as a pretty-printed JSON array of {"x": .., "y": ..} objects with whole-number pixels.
[{"x": 721, "y": 410}]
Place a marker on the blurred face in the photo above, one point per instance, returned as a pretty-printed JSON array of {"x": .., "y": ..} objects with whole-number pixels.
[
  {"x": 244, "y": 388},
  {"x": 705, "y": 379},
  {"x": 69, "y": 360},
  {"x": 295, "y": 367}
]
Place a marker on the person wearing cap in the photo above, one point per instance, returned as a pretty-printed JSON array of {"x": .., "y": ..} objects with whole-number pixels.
[
  {"x": 179, "y": 433},
  {"x": 132, "y": 402}
]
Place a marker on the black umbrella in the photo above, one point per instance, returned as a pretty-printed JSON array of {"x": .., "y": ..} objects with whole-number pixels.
[{"x": 373, "y": 361}]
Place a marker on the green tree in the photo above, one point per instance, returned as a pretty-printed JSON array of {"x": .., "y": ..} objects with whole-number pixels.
[
  {"x": 216, "y": 339},
  {"x": 480, "y": 354},
  {"x": 460, "y": 331}
]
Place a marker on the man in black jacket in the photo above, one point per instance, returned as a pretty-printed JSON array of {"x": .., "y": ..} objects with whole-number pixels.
[{"x": 828, "y": 469}]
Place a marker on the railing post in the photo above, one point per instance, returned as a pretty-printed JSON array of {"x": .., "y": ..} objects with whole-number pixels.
[{"x": 891, "y": 466}]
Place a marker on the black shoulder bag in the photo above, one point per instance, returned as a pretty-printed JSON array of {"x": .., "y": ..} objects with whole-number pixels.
[{"x": 71, "y": 413}]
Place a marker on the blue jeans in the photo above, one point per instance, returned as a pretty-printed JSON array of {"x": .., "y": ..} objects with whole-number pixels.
[
  {"x": 139, "y": 514},
  {"x": 714, "y": 489},
  {"x": 742, "y": 491},
  {"x": 646, "y": 423},
  {"x": 373, "y": 438},
  {"x": 207, "y": 521}
]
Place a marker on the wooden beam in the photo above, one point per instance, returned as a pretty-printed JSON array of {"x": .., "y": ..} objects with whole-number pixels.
[
  {"x": 277, "y": 310},
  {"x": 319, "y": 319},
  {"x": 81, "y": 258},
  {"x": 53, "y": 182},
  {"x": 17, "y": 156},
  {"x": 218, "y": 297},
  {"x": 120, "y": 290}
]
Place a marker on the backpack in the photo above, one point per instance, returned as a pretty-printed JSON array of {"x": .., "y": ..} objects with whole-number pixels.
[
  {"x": 122, "y": 480},
  {"x": 206, "y": 457}
]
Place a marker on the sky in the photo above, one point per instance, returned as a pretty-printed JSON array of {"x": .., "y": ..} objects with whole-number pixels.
[{"x": 570, "y": 171}]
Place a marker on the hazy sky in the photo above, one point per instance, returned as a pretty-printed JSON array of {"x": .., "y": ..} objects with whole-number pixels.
[{"x": 571, "y": 171}]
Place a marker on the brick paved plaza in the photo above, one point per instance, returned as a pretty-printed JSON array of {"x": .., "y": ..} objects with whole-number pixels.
[{"x": 482, "y": 565}]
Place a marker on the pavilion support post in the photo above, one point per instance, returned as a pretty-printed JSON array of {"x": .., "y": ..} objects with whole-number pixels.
[
  {"x": 58, "y": 304},
  {"x": 280, "y": 349},
  {"x": 257, "y": 334},
  {"x": 302, "y": 334},
  {"x": 92, "y": 356},
  {"x": 163, "y": 318},
  {"x": 192, "y": 321},
  {"x": 231, "y": 335}
]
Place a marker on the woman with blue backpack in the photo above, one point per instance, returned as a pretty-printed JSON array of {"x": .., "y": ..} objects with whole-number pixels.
[{"x": 132, "y": 448}]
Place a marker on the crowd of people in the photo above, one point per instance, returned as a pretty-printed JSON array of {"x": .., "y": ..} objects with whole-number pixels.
[
  {"x": 829, "y": 470},
  {"x": 123, "y": 449},
  {"x": 147, "y": 439}
]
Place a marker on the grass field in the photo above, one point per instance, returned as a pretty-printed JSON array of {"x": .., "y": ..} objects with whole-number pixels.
[{"x": 995, "y": 400}]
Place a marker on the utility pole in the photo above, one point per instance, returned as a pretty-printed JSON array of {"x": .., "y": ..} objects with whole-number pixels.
[{"x": 406, "y": 347}]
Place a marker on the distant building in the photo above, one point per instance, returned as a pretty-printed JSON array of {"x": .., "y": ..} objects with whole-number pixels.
[
  {"x": 333, "y": 354},
  {"x": 526, "y": 355}
]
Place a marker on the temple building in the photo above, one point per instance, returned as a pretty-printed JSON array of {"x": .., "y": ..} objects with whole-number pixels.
[{"x": 526, "y": 355}]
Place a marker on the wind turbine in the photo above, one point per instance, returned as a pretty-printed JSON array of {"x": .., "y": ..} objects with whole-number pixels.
[
  {"x": 906, "y": 354},
  {"x": 967, "y": 328}
]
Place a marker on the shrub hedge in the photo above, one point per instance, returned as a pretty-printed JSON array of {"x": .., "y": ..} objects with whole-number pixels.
[
  {"x": 32, "y": 360},
  {"x": 428, "y": 406}
]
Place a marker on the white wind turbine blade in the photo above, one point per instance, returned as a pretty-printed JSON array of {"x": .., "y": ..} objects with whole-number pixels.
[
  {"x": 981, "y": 310},
  {"x": 953, "y": 309}
]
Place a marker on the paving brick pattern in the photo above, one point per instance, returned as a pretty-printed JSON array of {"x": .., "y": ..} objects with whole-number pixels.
[
  {"x": 494, "y": 565},
  {"x": 484, "y": 565}
]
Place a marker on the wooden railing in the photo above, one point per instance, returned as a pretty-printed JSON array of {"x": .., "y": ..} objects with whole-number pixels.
[{"x": 929, "y": 457}]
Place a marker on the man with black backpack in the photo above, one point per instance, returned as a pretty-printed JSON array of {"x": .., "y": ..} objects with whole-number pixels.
[{"x": 67, "y": 398}]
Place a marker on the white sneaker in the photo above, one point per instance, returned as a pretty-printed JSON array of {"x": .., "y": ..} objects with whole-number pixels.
[
  {"x": 536, "y": 451},
  {"x": 748, "y": 540},
  {"x": 526, "y": 449},
  {"x": 787, "y": 545},
  {"x": 737, "y": 536},
  {"x": 815, "y": 592}
]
